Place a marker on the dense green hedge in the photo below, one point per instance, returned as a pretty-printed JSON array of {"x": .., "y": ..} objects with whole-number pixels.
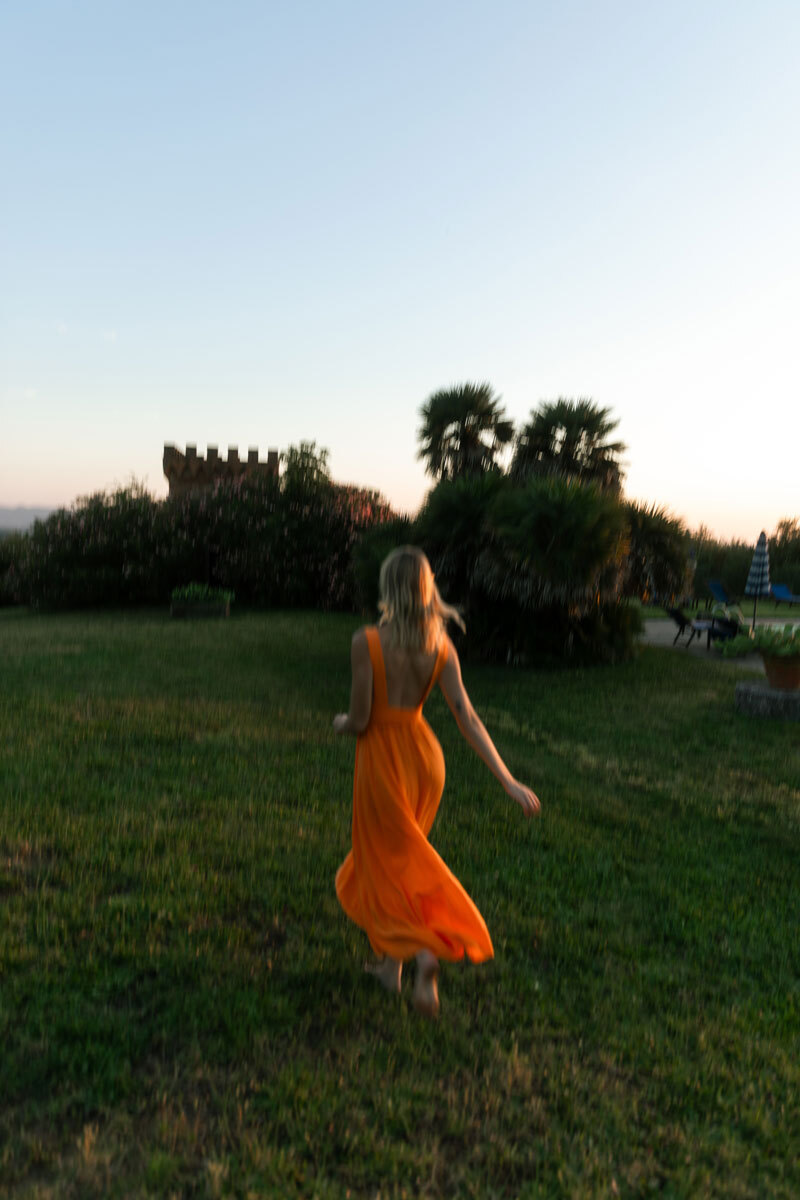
[
  {"x": 272, "y": 545},
  {"x": 13, "y": 547},
  {"x": 536, "y": 565},
  {"x": 369, "y": 552},
  {"x": 540, "y": 567}
]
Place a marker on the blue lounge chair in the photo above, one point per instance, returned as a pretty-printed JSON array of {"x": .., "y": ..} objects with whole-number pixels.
[
  {"x": 720, "y": 593},
  {"x": 782, "y": 593}
]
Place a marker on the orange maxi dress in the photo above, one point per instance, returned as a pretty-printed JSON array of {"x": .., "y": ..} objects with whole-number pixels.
[{"x": 393, "y": 884}]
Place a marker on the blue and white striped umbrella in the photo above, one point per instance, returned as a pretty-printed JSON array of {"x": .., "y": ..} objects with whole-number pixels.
[{"x": 758, "y": 578}]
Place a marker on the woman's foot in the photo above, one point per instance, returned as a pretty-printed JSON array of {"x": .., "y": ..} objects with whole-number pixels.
[
  {"x": 388, "y": 971},
  {"x": 426, "y": 985}
]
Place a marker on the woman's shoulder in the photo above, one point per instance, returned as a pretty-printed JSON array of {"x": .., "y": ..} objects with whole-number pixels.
[
  {"x": 359, "y": 643},
  {"x": 448, "y": 655},
  {"x": 446, "y": 646},
  {"x": 362, "y": 634}
]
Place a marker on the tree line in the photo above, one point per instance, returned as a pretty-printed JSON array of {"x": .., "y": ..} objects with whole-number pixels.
[{"x": 527, "y": 529}]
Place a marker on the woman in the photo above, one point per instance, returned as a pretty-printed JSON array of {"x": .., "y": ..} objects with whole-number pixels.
[{"x": 393, "y": 884}]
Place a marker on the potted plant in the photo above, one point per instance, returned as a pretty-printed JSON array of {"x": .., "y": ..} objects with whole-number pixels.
[
  {"x": 779, "y": 648},
  {"x": 200, "y": 600}
]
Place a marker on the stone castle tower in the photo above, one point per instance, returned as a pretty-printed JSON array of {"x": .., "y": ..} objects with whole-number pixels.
[{"x": 191, "y": 472}]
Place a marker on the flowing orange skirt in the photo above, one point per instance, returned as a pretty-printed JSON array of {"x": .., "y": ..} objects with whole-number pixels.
[{"x": 393, "y": 884}]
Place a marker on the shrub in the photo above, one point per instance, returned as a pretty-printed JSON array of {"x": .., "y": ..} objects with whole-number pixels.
[
  {"x": 605, "y": 633},
  {"x": 729, "y": 562},
  {"x": 273, "y": 545},
  {"x": 536, "y": 566},
  {"x": 224, "y": 535},
  {"x": 768, "y": 640},
  {"x": 13, "y": 548},
  {"x": 559, "y": 542},
  {"x": 98, "y": 553},
  {"x": 452, "y": 530},
  {"x": 369, "y": 552},
  {"x": 200, "y": 593},
  {"x": 658, "y": 554},
  {"x": 784, "y": 553}
]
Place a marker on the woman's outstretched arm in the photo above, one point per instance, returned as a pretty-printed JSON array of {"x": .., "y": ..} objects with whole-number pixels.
[
  {"x": 357, "y": 719},
  {"x": 474, "y": 733}
]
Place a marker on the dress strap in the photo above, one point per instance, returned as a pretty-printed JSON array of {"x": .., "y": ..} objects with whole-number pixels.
[
  {"x": 380, "y": 694},
  {"x": 441, "y": 659}
]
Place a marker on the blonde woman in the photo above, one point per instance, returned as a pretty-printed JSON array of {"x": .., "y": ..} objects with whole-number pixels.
[{"x": 393, "y": 884}]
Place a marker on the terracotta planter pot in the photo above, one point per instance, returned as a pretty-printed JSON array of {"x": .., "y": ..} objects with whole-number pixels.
[{"x": 782, "y": 673}]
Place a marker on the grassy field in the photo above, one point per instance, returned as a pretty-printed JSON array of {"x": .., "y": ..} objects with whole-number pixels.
[{"x": 182, "y": 1010}]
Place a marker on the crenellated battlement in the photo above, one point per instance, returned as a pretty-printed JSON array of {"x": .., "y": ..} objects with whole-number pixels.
[{"x": 191, "y": 472}]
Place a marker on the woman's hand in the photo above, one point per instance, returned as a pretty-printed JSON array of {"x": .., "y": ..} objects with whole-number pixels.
[
  {"x": 525, "y": 798},
  {"x": 340, "y": 723}
]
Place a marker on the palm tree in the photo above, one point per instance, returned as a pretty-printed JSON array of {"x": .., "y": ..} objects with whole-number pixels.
[
  {"x": 463, "y": 431},
  {"x": 570, "y": 438},
  {"x": 658, "y": 554}
]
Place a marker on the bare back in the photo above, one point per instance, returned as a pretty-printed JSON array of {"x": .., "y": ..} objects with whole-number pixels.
[
  {"x": 408, "y": 675},
  {"x": 408, "y": 672}
]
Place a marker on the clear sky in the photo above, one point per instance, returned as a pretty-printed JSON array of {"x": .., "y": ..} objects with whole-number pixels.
[{"x": 255, "y": 223}]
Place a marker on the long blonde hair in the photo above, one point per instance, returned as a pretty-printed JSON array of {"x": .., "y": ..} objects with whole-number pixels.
[{"x": 410, "y": 601}]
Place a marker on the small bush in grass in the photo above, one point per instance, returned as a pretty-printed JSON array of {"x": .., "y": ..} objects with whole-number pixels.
[
  {"x": 201, "y": 593},
  {"x": 770, "y": 641}
]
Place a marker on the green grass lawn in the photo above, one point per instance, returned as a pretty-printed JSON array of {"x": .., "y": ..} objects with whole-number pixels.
[{"x": 182, "y": 1009}]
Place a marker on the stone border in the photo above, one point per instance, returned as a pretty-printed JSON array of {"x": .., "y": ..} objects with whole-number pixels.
[{"x": 761, "y": 700}]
